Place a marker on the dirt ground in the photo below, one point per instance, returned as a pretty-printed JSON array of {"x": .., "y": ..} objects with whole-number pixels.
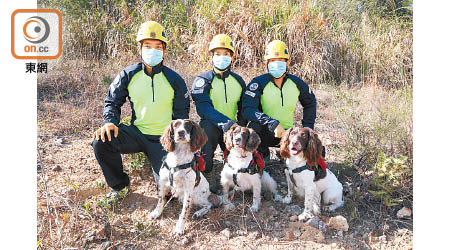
[
  {"x": 71, "y": 189},
  {"x": 129, "y": 227}
]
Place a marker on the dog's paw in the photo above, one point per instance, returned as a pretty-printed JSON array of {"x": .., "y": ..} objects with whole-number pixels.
[
  {"x": 200, "y": 213},
  {"x": 230, "y": 206},
  {"x": 154, "y": 214},
  {"x": 179, "y": 229},
  {"x": 286, "y": 200},
  {"x": 305, "y": 216},
  {"x": 196, "y": 215}
]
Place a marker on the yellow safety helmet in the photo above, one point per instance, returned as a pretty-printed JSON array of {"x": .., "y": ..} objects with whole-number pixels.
[
  {"x": 276, "y": 49},
  {"x": 221, "y": 41},
  {"x": 151, "y": 30}
]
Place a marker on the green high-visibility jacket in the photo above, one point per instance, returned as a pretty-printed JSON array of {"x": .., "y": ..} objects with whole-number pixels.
[
  {"x": 218, "y": 98},
  {"x": 156, "y": 99},
  {"x": 269, "y": 105}
]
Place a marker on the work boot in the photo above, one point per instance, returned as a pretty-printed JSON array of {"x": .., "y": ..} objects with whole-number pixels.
[
  {"x": 119, "y": 193},
  {"x": 115, "y": 196},
  {"x": 211, "y": 178}
]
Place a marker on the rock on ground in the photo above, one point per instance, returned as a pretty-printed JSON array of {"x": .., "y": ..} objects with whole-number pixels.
[
  {"x": 338, "y": 222},
  {"x": 404, "y": 213}
]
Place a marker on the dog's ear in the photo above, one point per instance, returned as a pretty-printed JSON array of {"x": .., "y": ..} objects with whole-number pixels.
[
  {"x": 167, "y": 138},
  {"x": 313, "y": 150},
  {"x": 228, "y": 137},
  {"x": 198, "y": 137},
  {"x": 253, "y": 141},
  {"x": 284, "y": 144}
]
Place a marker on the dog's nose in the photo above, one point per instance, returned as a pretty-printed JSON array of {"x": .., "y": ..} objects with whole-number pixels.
[{"x": 181, "y": 133}]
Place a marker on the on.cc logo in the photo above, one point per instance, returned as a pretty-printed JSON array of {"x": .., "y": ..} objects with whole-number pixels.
[
  {"x": 36, "y": 34},
  {"x": 40, "y": 27}
]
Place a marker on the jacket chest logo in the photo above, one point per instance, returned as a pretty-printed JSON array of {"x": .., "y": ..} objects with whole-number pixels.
[
  {"x": 199, "y": 83},
  {"x": 253, "y": 86}
]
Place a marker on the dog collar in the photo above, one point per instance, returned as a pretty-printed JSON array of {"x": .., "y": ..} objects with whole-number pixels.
[{"x": 226, "y": 152}]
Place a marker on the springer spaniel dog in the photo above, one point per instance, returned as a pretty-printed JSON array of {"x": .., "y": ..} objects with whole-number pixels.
[
  {"x": 243, "y": 168},
  {"x": 307, "y": 174},
  {"x": 179, "y": 172}
]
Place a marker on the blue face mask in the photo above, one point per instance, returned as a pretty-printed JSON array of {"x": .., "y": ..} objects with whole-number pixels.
[
  {"x": 152, "y": 57},
  {"x": 277, "y": 68},
  {"x": 221, "y": 62}
]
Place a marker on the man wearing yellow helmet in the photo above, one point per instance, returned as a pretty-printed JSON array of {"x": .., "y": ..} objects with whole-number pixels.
[
  {"x": 270, "y": 99},
  {"x": 157, "y": 95},
  {"x": 217, "y": 95}
]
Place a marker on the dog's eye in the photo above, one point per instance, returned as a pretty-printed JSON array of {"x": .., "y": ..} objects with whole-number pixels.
[{"x": 188, "y": 126}]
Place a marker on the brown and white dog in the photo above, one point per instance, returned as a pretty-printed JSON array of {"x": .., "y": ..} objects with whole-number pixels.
[
  {"x": 240, "y": 170},
  {"x": 302, "y": 148},
  {"x": 182, "y": 138}
]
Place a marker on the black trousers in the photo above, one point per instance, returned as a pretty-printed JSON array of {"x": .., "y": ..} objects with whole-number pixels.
[
  {"x": 268, "y": 138},
  {"x": 215, "y": 137},
  {"x": 129, "y": 140}
]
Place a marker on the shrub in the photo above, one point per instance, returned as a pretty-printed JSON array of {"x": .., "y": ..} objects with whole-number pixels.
[
  {"x": 377, "y": 125},
  {"x": 391, "y": 174}
]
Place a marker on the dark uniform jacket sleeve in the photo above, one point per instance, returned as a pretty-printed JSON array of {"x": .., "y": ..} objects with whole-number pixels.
[
  {"x": 308, "y": 101},
  {"x": 251, "y": 104},
  {"x": 205, "y": 108},
  {"x": 115, "y": 98}
]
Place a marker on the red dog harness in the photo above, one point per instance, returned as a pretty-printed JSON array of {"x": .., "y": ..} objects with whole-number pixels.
[
  {"x": 255, "y": 166},
  {"x": 322, "y": 163}
]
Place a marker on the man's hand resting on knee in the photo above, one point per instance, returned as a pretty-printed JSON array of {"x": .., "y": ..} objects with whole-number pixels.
[{"x": 106, "y": 128}]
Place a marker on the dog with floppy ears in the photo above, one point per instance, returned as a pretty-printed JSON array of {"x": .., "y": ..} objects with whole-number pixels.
[
  {"x": 243, "y": 169},
  {"x": 307, "y": 174},
  {"x": 180, "y": 173}
]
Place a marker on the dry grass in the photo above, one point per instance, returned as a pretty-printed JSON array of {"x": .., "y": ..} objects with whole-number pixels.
[{"x": 330, "y": 41}]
